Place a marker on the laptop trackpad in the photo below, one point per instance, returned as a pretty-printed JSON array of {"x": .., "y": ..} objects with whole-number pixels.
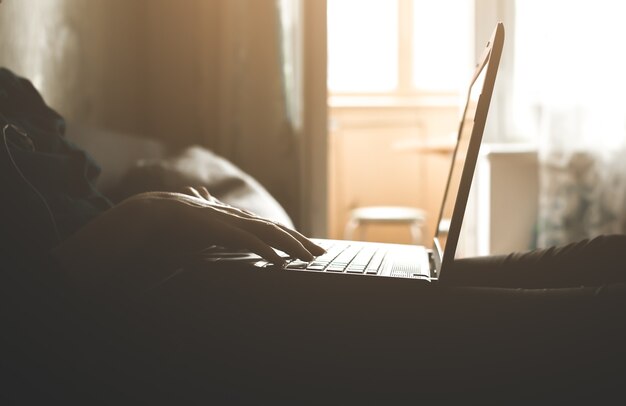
[{"x": 407, "y": 262}]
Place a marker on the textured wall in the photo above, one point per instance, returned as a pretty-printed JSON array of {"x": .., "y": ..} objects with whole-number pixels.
[
  {"x": 84, "y": 64},
  {"x": 141, "y": 66}
]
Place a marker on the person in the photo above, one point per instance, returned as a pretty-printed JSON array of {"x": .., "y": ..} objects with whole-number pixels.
[
  {"x": 64, "y": 242},
  {"x": 78, "y": 226}
]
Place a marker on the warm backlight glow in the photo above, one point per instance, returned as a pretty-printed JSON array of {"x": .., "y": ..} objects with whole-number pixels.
[
  {"x": 570, "y": 68},
  {"x": 362, "y": 45},
  {"x": 442, "y": 44},
  {"x": 400, "y": 46}
]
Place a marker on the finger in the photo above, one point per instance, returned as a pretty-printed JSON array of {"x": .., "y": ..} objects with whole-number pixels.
[
  {"x": 188, "y": 190},
  {"x": 271, "y": 233},
  {"x": 266, "y": 231},
  {"x": 231, "y": 236},
  {"x": 204, "y": 193},
  {"x": 252, "y": 233},
  {"x": 313, "y": 248},
  {"x": 308, "y": 244},
  {"x": 277, "y": 237}
]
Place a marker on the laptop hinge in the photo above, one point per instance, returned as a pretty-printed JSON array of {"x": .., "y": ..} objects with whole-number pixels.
[{"x": 434, "y": 257}]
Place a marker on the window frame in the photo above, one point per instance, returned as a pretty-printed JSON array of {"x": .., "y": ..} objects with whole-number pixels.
[{"x": 405, "y": 93}]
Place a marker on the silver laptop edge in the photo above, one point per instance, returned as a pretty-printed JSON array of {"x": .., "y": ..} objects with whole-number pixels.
[{"x": 489, "y": 61}]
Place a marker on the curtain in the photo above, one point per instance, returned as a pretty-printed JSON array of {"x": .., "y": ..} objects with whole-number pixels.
[
  {"x": 260, "y": 96},
  {"x": 569, "y": 82}
]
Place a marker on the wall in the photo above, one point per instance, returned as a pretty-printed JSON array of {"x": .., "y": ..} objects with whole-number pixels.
[
  {"x": 119, "y": 64},
  {"x": 77, "y": 55}
]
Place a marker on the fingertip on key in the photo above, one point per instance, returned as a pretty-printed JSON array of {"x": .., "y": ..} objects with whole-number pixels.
[{"x": 308, "y": 257}]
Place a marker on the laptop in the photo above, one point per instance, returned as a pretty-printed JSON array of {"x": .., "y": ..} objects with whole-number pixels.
[{"x": 369, "y": 259}]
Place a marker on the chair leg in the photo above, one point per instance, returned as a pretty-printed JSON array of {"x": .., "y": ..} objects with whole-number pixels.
[
  {"x": 416, "y": 232},
  {"x": 362, "y": 235},
  {"x": 351, "y": 226}
]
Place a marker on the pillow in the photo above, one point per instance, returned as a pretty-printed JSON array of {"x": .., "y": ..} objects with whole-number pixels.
[{"x": 197, "y": 166}]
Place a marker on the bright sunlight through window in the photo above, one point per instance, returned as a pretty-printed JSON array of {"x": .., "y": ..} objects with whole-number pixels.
[
  {"x": 399, "y": 46},
  {"x": 362, "y": 45},
  {"x": 586, "y": 69}
]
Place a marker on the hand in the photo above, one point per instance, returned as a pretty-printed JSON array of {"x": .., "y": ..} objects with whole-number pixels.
[
  {"x": 266, "y": 233},
  {"x": 167, "y": 225}
]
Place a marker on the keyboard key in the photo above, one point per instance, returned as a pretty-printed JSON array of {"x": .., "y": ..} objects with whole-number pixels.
[
  {"x": 359, "y": 268},
  {"x": 313, "y": 267},
  {"x": 297, "y": 264},
  {"x": 339, "y": 258},
  {"x": 376, "y": 262}
]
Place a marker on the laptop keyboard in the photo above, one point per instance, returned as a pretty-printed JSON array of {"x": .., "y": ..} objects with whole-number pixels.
[{"x": 343, "y": 258}]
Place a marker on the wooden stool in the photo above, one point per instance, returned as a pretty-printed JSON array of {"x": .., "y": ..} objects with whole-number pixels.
[{"x": 362, "y": 216}]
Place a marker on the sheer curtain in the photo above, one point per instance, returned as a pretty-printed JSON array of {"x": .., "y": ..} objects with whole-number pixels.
[{"x": 566, "y": 85}]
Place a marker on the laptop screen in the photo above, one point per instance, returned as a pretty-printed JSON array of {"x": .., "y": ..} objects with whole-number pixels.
[
  {"x": 458, "y": 159},
  {"x": 466, "y": 151}
]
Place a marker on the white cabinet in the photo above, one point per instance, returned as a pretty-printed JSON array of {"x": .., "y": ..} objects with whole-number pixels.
[{"x": 502, "y": 210}]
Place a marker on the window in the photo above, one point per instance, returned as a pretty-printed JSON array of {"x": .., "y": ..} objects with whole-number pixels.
[
  {"x": 363, "y": 45},
  {"x": 399, "y": 47}
]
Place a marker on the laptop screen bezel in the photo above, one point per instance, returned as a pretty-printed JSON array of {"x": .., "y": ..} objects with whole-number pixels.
[{"x": 490, "y": 61}]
